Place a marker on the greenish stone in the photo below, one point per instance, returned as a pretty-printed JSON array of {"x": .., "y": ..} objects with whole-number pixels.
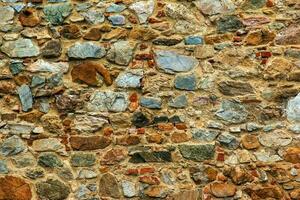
[
  {"x": 52, "y": 190},
  {"x": 229, "y": 24},
  {"x": 229, "y": 141},
  {"x": 83, "y": 159},
  {"x": 205, "y": 134},
  {"x": 37, "y": 80},
  {"x": 57, "y": 13},
  {"x": 12, "y": 146},
  {"x": 232, "y": 112},
  {"x": 25, "y": 96},
  {"x": 151, "y": 102},
  {"x": 35, "y": 173},
  {"x": 186, "y": 82},
  {"x": 50, "y": 160},
  {"x": 178, "y": 102},
  {"x": 254, "y": 4},
  {"x": 197, "y": 152},
  {"x": 3, "y": 167},
  {"x": 151, "y": 156},
  {"x": 16, "y": 66}
]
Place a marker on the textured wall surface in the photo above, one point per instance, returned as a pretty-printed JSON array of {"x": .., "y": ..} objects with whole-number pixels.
[{"x": 154, "y": 99}]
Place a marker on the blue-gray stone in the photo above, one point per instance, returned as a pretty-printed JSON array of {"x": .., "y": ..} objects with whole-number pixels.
[
  {"x": 83, "y": 159},
  {"x": 20, "y": 48},
  {"x": 16, "y": 66},
  {"x": 6, "y": 13},
  {"x": 94, "y": 16},
  {"x": 178, "y": 102},
  {"x": 294, "y": 53},
  {"x": 83, "y": 6},
  {"x": 229, "y": 23},
  {"x": 57, "y": 13},
  {"x": 232, "y": 112},
  {"x": 193, "y": 40},
  {"x": 86, "y": 50},
  {"x": 18, "y": 7},
  {"x": 44, "y": 106},
  {"x": 295, "y": 128},
  {"x": 37, "y": 80},
  {"x": 49, "y": 159},
  {"x": 55, "y": 80},
  {"x": 3, "y": 167},
  {"x": 185, "y": 82},
  {"x": 130, "y": 79},
  {"x": 205, "y": 135},
  {"x": 25, "y": 97},
  {"x": 121, "y": 52},
  {"x": 229, "y": 141},
  {"x": 197, "y": 152},
  {"x": 115, "y": 8},
  {"x": 172, "y": 62},
  {"x": 117, "y": 19},
  {"x": 151, "y": 102},
  {"x": 293, "y": 109},
  {"x": 12, "y": 146}
]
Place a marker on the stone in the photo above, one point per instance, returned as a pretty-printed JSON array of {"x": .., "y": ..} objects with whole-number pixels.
[
  {"x": 88, "y": 123},
  {"x": 157, "y": 191},
  {"x": 18, "y": 128},
  {"x": 71, "y": 31},
  {"x": 275, "y": 139},
  {"x": 109, "y": 186},
  {"x": 143, "y": 33},
  {"x": 232, "y": 112},
  {"x": 223, "y": 190},
  {"x": 48, "y": 144},
  {"x": 16, "y": 67},
  {"x": 129, "y": 189},
  {"x": 197, "y": 152},
  {"x": 3, "y": 167},
  {"x": 212, "y": 7},
  {"x": 151, "y": 156},
  {"x": 29, "y": 17},
  {"x": 130, "y": 79},
  {"x": 254, "y": 4},
  {"x": 232, "y": 88},
  {"x": 93, "y": 34},
  {"x": 118, "y": 33},
  {"x": 193, "y": 40},
  {"x": 186, "y": 82},
  {"x": 293, "y": 109},
  {"x": 180, "y": 101},
  {"x": 44, "y": 66},
  {"x": 292, "y": 154},
  {"x": 205, "y": 135},
  {"x": 56, "y": 13},
  {"x": 86, "y": 50},
  {"x": 35, "y": 173},
  {"x": 14, "y": 188},
  {"x": 94, "y": 16},
  {"x": 25, "y": 97},
  {"x": 50, "y": 160},
  {"x": 266, "y": 191},
  {"x": 52, "y": 189},
  {"x": 178, "y": 11},
  {"x": 115, "y": 8},
  {"x": 150, "y": 102},
  {"x": 117, "y": 20},
  {"x": 139, "y": 120},
  {"x": 12, "y": 146},
  {"x": 228, "y": 140},
  {"x": 229, "y": 23},
  {"x": 172, "y": 62},
  {"x": 289, "y": 36},
  {"x": 259, "y": 37},
  {"x": 121, "y": 52},
  {"x": 167, "y": 41},
  {"x": 83, "y": 159},
  {"x": 87, "y": 174},
  {"x": 143, "y": 10},
  {"x": 80, "y": 143},
  {"x": 250, "y": 142},
  {"x": 87, "y": 72},
  {"x": 264, "y": 156},
  {"x": 7, "y": 14},
  {"x": 204, "y": 51},
  {"x": 20, "y": 48},
  {"x": 114, "y": 156},
  {"x": 51, "y": 49},
  {"x": 108, "y": 101}
]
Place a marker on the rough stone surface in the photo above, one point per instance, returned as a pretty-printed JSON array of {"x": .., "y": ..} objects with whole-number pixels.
[
  {"x": 197, "y": 152},
  {"x": 20, "y": 48},
  {"x": 14, "y": 188},
  {"x": 86, "y": 50},
  {"x": 52, "y": 189},
  {"x": 120, "y": 53},
  {"x": 143, "y": 9}
]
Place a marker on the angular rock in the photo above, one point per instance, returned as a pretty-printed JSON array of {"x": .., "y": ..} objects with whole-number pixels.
[
  {"x": 289, "y": 36},
  {"x": 254, "y": 4},
  {"x": 52, "y": 49},
  {"x": 229, "y": 23},
  {"x": 114, "y": 156},
  {"x": 109, "y": 186},
  {"x": 223, "y": 190},
  {"x": 232, "y": 112},
  {"x": 79, "y": 143},
  {"x": 115, "y": 8},
  {"x": 129, "y": 189},
  {"x": 25, "y": 97},
  {"x": 18, "y": 128},
  {"x": 178, "y": 11},
  {"x": 7, "y": 14},
  {"x": 50, "y": 160},
  {"x": 20, "y": 48},
  {"x": 151, "y": 156},
  {"x": 167, "y": 41},
  {"x": 44, "y": 66},
  {"x": 250, "y": 142},
  {"x": 121, "y": 52},
  {"x": 12, "y": 146},
  {"x": 86, "y": 50},
  {"x": 228, "y": 140},
  {"x": 14, "y": 188},
  {"x": 266, "y": 191},
  {"x": 3, "y": 167},
  {"x": 143, "y": 9},
  {"x": 140, "y": 120},
  {"x": 186, "y": 82},
  {"x": 212, "y": 7},
  {"x": 48, "y": 144},
  {"x": 205, "y": 134},
  {"x": 83, "y": 159},
  {"x": 193, "y": 40},
  {"x": 130, "y": 79},
  {"x": 29, "y": 17},
  {"x": 52, "y": 189},
  {"x": 71, "y": 31},
  {"x": 56, "y": 13},
  {"x": 117, "y": 20},
  {"x": 88, "y": 123},
  {"x": 292, "y": 154},
  {"x": 143, "y": 33},
  {"x": 275, "y": 139},
  {"x": 197, "y": 152},
  {"x": 235, "y": 88},
  {"x": 293, "y": 109},
  {"x": 204, "y": 51},
  {"x": 93, "y": 34},
  {"x": 150, "y": 102},
  {"x": 180, "y": 101},
  {"x": 87, "y": 174},
  {"x": 94, "y": 16},
  {"x": 172, "y": 62}
]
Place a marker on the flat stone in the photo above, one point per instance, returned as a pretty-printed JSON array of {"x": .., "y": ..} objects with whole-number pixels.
[
  {"x": 143, "y": 33},
  {"x": 94, "y": 16},
  {"x": 197, "y": 152},
  {"x": 12, "y": 146},
  {"x": 167, "y": 41},
  {"x": 186, "y": 82},
  {"x": 205, "y": 135},
  {"x": 51, "y": 49},
  {"x": 228, "y": 140},
  {"x": 93, "y": 34},
  {"x": 212, "y": 7},
  {"x": 18, "y": 128},
  {"x": 229, "y": 23},
  {"x": 35, "y": 173},
  {"x": 117, "y": 20},
  {"x": 37, "y": 81},
  {"x": 57, "y": 13},
  {"x": 264, "y": 156},
  {"x": 178, "y": 11},
  {"x": 254, "y": 4},
  {"x": 80, "y": 143},
  {"x": 14, "y": 188},
  {"x": 172, "y": 62},
  {"x": 48, "y": 144},
  {"x": 7, "y": 14},
  {"x": 88, "y": 123},
  {"x": 180, "y": 101},
  {"x": 204, "y": 51},
  {"x": 193, "y": 40},
  {"x": 121, "y": 52},
  {"x": 86, "y": 50},
  {"x": 151, "y": 156},
  {"x": 24, "y": 160},
  {"x": 87, "y": 174},
  {"x": 151, "y": 102},
  {"x": 129, "y": 189},
  {"x": 223, "y": 190},
  {"x": 29, "y": 17},
  {"x": 293, "y": 109},
  {"x": 265, "y": 191},
  {"x": 16, "y": 67},
  {"x": 291, "y": 154},
  {"x": 275, "y": 139},
  {"x": 232, "y": 112},
  {"x": 143, "y": 9},
  {"x": 250, "y": 142},
  {"x": 52, "y": 189},
  {"x": 114, "y": 156},
  {"x": 44, "y": 66},
  {"x": 108, "y": 101},
  {"x": 25, "y": 97},
  {"x": 71, "y": 31},
  {"x": 130, "y": 79},
  {"x": 83, "y": 159},
  {"x": 232, "y": 88},
  {"x": 115, "y": 8},
  {"x": 50, "y": 160},
  {"x": 20, "y": 48},
  {"x": 108, "y": 186}
]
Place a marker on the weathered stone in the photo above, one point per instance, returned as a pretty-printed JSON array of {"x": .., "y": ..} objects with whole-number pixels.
[
  {"x": 83, "y": 159},
  {"x": 14, "y": 188},
  {"x": 292, "y": 154},
  {"x": 18, "y": 128},
  {"x": 167, "y": 41},
  {"x": 140, "y": 120},
  {"x": 235, "y": 88},
  {"x": 178, "y": 11},
  {"x": 229, "y": 24},
  {"x": 71, "y": 31},
  {"x": 44, "y": 66},
  {"x": 204, "y": 51},
  {"x": 250, "y": 142},
  {"x": 93, "y": 34},
  {"x": 118, "y": 33},
  {"x": 52, "y": 189},
  {"x": 114, "y": 156},
  {"x": 117, "y": 20},
  {"x": 48, "y": 144},
  {"x": 185, "y": 82},
  {"x": 151, "y": 156},
  {"x": 157, "y": 191},
  {"x": 94, "y": 16},
  {"x": 143, "y": 9},
  {"x": 228, "y": 140},
  {"x": 197, "y": 152},
  {"x": 259, "y": 37},
  {"x": 293, "y": 109},
  {"x": 115, "y": 8},
  {"x": 109, "y": 186},
  {"x": 212, "y": 7},
  {"x": 232, "y": 112},
  {"x": 87, "y": 174},
  {"x": 178, "y": 102},
  {"x": 3, "y": 167},
  {"x": 29, "y": 17},
  {"x": 80, "y": 143},
  {"x": 12, "y": 146},
  {"x": 129, "y": 189},
  {"x": 7, "y": 14},
  {"x": 193, "y": 40},
  {"x": 258, "y": 191},
  {"x": 50, "y": 160},
  {"x": 121, "y": 52},
  {"x": 142, "y": 33},
  {"x": 25, "y": 97},
  {"x": 130, "y": 79},
  {"x": 223, "y": 190},
  {"x": 205, "y": 134},
  {"x": 150, "y": 102},
  {"x": 20, "y": 48},
  {"x": 35, "y": 173},
  {"x": 275, "y": 139},
  {"x": 57, "y": 13},
  {"x": 86, "y": 50},
  {"x": 171, "y": 62},
  {"x": 51, "y": 49},
  {"x": 254, "y": 4}
]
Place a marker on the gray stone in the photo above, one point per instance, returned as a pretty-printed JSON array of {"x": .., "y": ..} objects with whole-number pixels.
[
  {"x": 179, "y": 11},
  {"x": 229, "y": 24},
  {"x": 205, "y": 135},
  {"x": 252, "y": 126},
  {"x": 144, "y": 156},
  {"x": 115, "y": 8},
  {"x": 35, "y": 173},
  {"x": 50, "y": 160},
  {"x": 151, "y": 102},
  {"x": 83, "y": 159},
  {"x": 3, "y": 167},
  {"x": 254, "y": 4},
  {"x": 12, "y": 146},
  {"x": 48, "y": 144},
  {"x": 215, "y": 125},
  {"x": 18, "y": 128},
  {"x": 117, "y": 19},
  {"x": 108, "y": 101},
  {"x": 275, "y": 139},
  {"x": 295, "y": 128},
  {"x": 57, "y": 13},
  {"x": 171, "y": 61},
  {"x": 197, "y": 152},
  {"x": 121, "y": 52},
  {"x": 44, "y": 66},
  {"x": 212, "y": 7},
  {"x": 130, "y": 79},
  {"x": 52, "y": 189},
  {"x": 37, "y": 81},
  {"x": 25, "y": 97},
  {"x": 7, "y": 14},
  {"x": 143, "y": 9},
  {"x": 232, "y": 112},
  {"x": 16, "y": 66},
  {"x": 129, "y": 189},
  {"x": 293, "y": 109},
  {"x": 87, "y": 174},
  {"x": 185, "y": 82},
  {"x": 109, "y": 186},
  {"x": 86, "y": 50},
  {"x": 83, "y": 6},
  {"x": 24, "y": 160},
  {"x": 178, "y": 102},
  {"x": 229, "y": 141},
  {"x": 65, "y": 173},
  {"x": 94, "y": 16},
  {"x": 20, "y": 48},
  {"x": 264, "y": 156},
  {"x": 88, "y": 123}
]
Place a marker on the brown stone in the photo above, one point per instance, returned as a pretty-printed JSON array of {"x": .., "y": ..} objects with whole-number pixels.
[
  {"x": 87, "y": 73},
  {"x": 295, "y": 194},
  {"x": 71, "y": 31},
  {"x": 80, "y": 143},
  {"x": 114, "y": 156},
  {"x": 204, "y": 51},
  {"x": 289, "y": 36},
  {"x": 212, "y": 39},
  {"x": 117, "y": 33},
  {"x": 52, "y": 49},
  {"x": 277, "y": 69},
  {"x": 108, "y": 186},
  {"x": 157, "y": 191},
  {"x": 223, "y": 189},
  {"x": 292, "y": 154},
  {"x": 31, "y": 116},
  {"x": 179, "y": 137},
  {"x": 155, "y": 138},
  {"x": 259, "y": 37},
  {"x": 294, "y": 76},
  {"x": 7, "y": 87},
  {"x": 93, "y": 34},
  {"x": 29, "y": 17},
  {"x": 141, "y": 33},
  {"x": 186, "y": 195},
  {"x": 129, "y": 140},
  {"x": 250, "y": 142},
  {"x": 240, "y": 176},
  {"x": 258, "y": 192},
  {"x": 151, "y": 180},
  {"x": 14, "y": 188},
  {"x": 235, "y": 88}
]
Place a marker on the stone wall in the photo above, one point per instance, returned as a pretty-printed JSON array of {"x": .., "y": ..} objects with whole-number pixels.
[{"x": 149, "y": 99}]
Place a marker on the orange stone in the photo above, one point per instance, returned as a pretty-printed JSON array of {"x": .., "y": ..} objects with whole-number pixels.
[
  {"x": 292, "y": 154},
  {"x": 29, "y": 17},
  {"x": 93, "y": 34},
  {"x": 114, "y": 156},
  {"x": 14, "y": 188},
  {"x": 250, "y": 142},
  {"x": 179, "y": 137},
  {"x": 223, "y": 189},
  {"x": 71, "y": 31}
]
